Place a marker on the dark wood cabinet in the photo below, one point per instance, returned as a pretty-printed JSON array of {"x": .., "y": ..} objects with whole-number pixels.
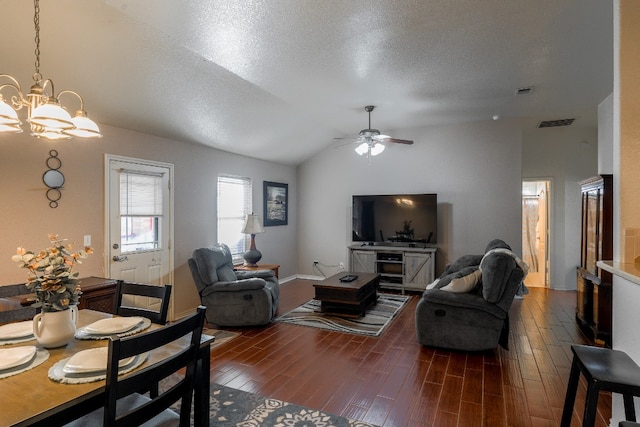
[
  {"x": 593, "y": 305},
  {"x": 97, "y": 294}
]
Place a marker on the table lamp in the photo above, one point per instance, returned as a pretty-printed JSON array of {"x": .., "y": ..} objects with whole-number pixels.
[{"x": 252, "y": 226}]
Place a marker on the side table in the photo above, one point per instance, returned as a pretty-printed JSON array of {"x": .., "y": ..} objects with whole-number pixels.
[{"x": 273, "y": 267}]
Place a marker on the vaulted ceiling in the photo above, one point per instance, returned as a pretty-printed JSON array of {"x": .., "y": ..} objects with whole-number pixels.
[{"x": 279, "y": 79}]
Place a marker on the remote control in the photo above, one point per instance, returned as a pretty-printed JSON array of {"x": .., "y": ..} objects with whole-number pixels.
[{"x": 348, "y": 278}]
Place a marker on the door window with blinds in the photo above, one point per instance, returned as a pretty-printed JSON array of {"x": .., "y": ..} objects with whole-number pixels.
[
  {"x": 234, "y": 203},
  {"x": 140, "y": 210}
]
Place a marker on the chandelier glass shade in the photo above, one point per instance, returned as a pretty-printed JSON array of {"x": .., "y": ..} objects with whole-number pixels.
[{"x": 46, "y": 117}]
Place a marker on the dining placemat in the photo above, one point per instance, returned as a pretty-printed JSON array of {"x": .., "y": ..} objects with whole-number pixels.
[
  {"x": 17, "y": 340},
  {"x": 83, "y": 334},
  {"x": 24, "y": 337},
  {"x": 40, "y": 357},
  {"x": 57, "y": 373}
]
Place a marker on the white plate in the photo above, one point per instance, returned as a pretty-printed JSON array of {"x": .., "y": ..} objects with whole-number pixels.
[
  {"x": 92, "y": 360},
  {"x": 16, "y": 330},
  {"x": 113, "y": 325},
  {"x": 16, "y": 356}
]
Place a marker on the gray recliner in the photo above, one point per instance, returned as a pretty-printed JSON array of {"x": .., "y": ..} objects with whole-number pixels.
[
  {"x": 233, "y": 298},
  {"x": 476, "y": 319}
]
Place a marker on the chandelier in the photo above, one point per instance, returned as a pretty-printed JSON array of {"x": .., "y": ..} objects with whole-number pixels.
[{"x": 47, "y": 118}]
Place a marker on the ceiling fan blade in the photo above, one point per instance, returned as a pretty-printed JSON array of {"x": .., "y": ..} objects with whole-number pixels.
[{"x": 399, "y": 141}]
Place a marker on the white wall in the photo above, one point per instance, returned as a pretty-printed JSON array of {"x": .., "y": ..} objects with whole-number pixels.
[
  {"x": 626, "y": 318},
  {"x": 566, "y": 155},
  {"x": 605, "y": 136},
  {"x": 27, "y": 218},
  {"x": 475, "y": 168}
]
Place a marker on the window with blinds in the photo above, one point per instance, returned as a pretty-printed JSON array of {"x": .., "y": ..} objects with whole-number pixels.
[
  {"x": 234, "y": 203},
  {"x": 140, "y": 210}
]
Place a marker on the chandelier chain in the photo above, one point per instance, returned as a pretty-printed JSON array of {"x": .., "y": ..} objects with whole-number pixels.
[
  {"x": 37, "y": 77},
  {"x": 47, "y": 118}
]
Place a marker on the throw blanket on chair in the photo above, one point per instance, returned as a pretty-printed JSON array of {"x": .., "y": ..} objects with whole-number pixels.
[{"x": 523, "y": 265}]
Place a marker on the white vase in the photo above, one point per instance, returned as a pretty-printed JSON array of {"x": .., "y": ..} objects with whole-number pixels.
[{"x": 55, "y": 328}]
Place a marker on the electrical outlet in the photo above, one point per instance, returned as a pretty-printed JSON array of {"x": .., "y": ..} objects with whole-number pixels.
[{"x": 342, "y": 266}]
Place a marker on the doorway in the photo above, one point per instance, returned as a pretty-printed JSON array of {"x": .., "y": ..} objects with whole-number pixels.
[
  {"x": 535, "y": 231},
  {"x": 139, "y": 224}
]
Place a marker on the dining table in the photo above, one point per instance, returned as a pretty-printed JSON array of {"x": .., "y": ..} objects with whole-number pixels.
[{"x": 30, "y": 398}]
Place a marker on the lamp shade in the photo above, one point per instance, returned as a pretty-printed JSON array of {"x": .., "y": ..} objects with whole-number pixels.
[
  {"x": 252, "y": 224},
  {"x": 10, "y": 128},
  {"x": 8, "y": 115},
  {"x": 84, "y": 127},
  {"x": 51, "y": 115}
]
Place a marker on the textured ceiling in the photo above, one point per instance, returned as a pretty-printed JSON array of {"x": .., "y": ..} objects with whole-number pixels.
[{"x": 279, "y": 79}]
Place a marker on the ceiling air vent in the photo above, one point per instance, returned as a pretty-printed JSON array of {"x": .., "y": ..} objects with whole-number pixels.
[
  {"x": 524, "y": 90},
  {"x": 554, "y": 123}
]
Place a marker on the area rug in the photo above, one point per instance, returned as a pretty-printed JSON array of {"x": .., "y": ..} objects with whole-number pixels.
[
  {"x": 232, "y": 407},
  {"x": 373, "y": 323},
  {"x": 222, "y": 336}
]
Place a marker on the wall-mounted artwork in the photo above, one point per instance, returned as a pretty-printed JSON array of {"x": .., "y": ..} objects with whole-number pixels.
[{"x": 276, "y": 203}]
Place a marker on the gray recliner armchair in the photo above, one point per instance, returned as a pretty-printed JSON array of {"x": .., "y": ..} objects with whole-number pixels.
[
  {"x": 468, "y": 307},
  {"x": 233, "y": 298}
]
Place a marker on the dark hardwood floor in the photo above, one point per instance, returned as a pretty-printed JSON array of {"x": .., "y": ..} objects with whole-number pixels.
[{"x": 393, "y": 381}]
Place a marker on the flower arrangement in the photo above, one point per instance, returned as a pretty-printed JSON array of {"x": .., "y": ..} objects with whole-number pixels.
[{"x": 50, "y": 276}]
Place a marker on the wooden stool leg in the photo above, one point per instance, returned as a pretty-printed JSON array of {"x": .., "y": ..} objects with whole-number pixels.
[
  {"x": 591, "y": 405},
  {"x": 570, "y": 398},
  {"x": 629, "y": 407}
]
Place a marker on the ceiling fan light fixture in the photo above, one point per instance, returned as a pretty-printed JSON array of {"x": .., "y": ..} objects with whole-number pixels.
[
  {"x": 377, "y": 148},
  {"x": 362, "y": 149},
  {"x": 371, "y": 142}
]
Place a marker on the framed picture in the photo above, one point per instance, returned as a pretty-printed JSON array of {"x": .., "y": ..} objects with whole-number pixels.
[{"x": 276, "y": 203}]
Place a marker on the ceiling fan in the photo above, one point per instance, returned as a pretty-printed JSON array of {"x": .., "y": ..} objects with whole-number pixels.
[{"x": 370, "y": 140}]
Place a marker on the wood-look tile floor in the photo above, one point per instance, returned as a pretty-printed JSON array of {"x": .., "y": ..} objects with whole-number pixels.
[{"x": 394, "y": 381}]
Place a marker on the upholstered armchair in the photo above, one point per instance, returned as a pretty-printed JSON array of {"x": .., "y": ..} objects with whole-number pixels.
[
  {"x": 467, "y": 308},
  {"x": 233, "y": 298}
]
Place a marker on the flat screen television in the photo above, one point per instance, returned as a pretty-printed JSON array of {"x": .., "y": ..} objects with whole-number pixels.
[{"x": 403, "y": 219}]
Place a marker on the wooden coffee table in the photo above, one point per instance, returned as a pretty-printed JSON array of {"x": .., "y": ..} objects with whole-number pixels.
[{"x": 348, "y": 299}]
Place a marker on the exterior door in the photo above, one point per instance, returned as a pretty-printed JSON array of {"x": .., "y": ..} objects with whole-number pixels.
[{"x": 139, "y": 209}]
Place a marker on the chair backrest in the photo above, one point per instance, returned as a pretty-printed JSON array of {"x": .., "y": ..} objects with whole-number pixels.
[
  {"x": 163, "y": 293},
  {"x": 185, "y": 361},
  {"x": 211, "y": 265},
  {"x": 11, "y": 309}
]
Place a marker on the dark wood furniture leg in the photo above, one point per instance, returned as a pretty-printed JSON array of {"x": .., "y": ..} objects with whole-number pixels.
[{"x": 202, "y": 387}]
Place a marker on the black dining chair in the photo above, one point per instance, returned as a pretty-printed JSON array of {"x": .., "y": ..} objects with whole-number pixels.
[
  {"x": 123, "y": 405},
  {"x": 162, "y": 293},
  {"x": 12, "y": 310}
]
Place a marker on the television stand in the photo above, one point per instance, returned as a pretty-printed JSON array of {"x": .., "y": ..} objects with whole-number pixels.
[{"x": 400, "y": 267}]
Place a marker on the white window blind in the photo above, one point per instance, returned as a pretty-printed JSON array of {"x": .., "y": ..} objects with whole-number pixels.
[
  {"x": 234, "y": 203},
  {"x": 140, "y": 194},
  {"x": 140, "y": 210}
]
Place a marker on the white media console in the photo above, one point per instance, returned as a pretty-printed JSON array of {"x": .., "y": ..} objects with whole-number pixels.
[{"x": 400, "y": 267}]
